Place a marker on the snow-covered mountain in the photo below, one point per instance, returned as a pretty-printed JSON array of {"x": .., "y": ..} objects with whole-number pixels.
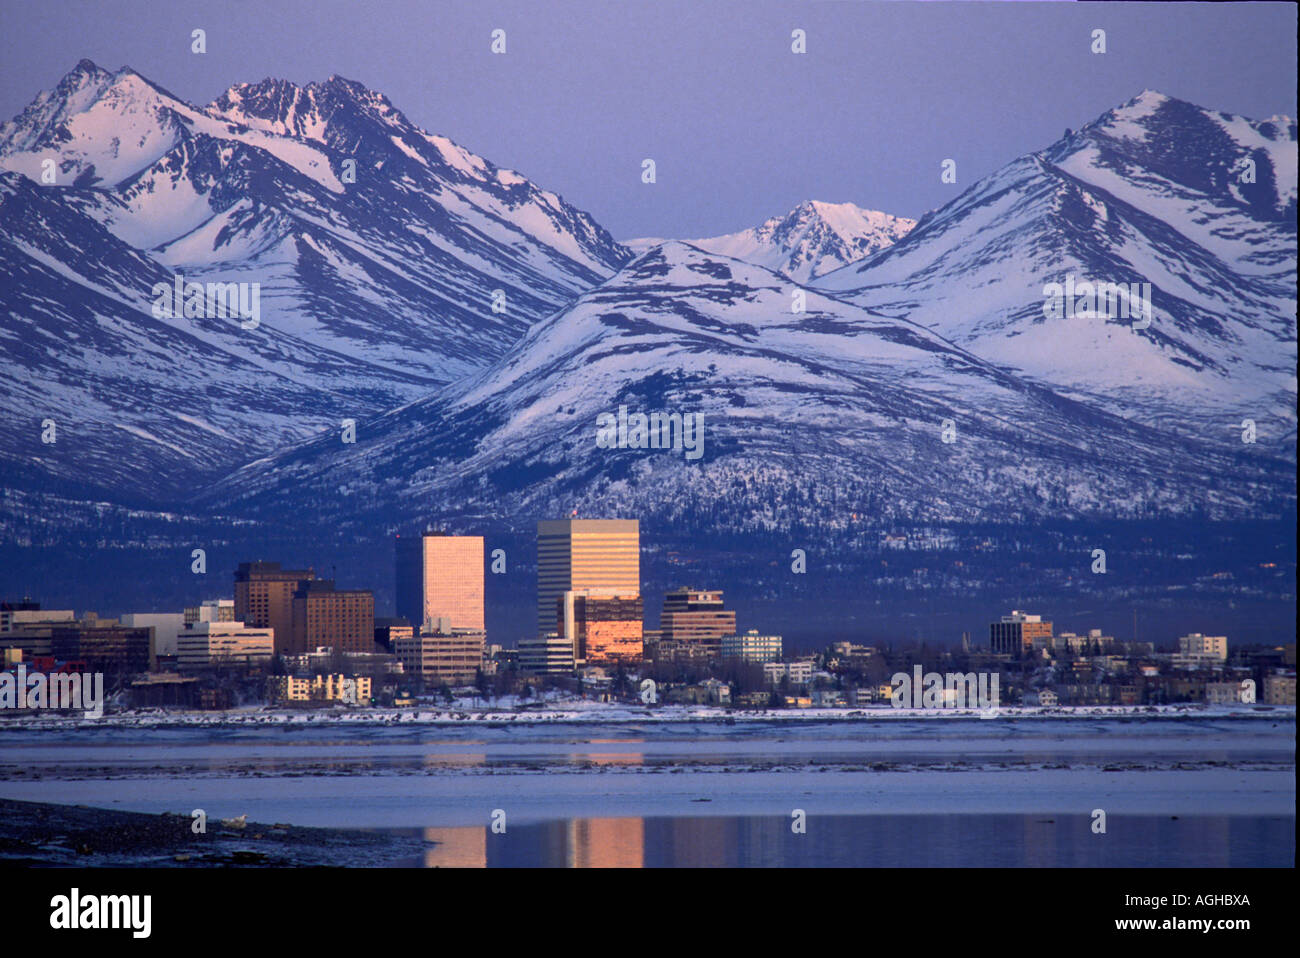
[
  {"x": 640, "y": 244},
  {"x": 389, "y": 261},
  {"x": 813, "y": 419},
  {"x": 812, "y": 239},
  {"x": 1200, "y": 205},
  {"x": 379, "y": 248}
]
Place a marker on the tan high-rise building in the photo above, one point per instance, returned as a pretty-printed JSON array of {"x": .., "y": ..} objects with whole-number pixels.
[
  {"x": 440, "y": 576},
  {"x": 598, "y": 556},
  {"x": 264, "y": 598}
]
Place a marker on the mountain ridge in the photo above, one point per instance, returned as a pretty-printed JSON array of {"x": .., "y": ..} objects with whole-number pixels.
[
  {"x": 1126, "y": 198},
  {"x": 811, "y": 418},
  {"x": 812, "y": 239},
  {"x": 422, "y": 268},
  {"x": 824, "y": 388}
]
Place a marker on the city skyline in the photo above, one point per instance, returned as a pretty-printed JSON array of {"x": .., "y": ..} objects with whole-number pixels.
[
  {"x": 931, "y": 468},
  {"x": 593, "y": 557},
  {"x": 782, "y": 434}
]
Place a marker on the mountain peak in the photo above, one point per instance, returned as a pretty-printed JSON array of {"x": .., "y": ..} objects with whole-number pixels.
[
  {"x": 78, "y": 89},
  {"x": 282, "y": 107},
  {"x": 87, "y": 71},
  {"x": 1150, "y": 96},
  {"x": 87, "y": 67},
  {"x": 812, "y": 239},
  {"x": 1152, "y": 128}
]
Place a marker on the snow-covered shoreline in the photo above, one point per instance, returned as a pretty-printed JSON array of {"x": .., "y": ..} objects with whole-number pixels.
[{"x": 602, "y": 713}]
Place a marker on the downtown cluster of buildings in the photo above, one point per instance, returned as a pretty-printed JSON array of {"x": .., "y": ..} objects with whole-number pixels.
[
  {"x": 289, "y": 637},
  {"x": 590, "y": 610},
  {"x": 311, "y": 641}
]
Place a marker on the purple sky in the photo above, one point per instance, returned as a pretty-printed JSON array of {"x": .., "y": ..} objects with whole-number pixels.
[{"x": 740, "y": 128}]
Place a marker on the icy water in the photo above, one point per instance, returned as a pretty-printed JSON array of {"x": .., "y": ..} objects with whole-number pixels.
[
  {"x": 876, "y": 841},
  {"x": 1190, "y": 791}
]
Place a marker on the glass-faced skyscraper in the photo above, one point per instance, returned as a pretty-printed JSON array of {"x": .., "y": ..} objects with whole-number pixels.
[
  {"x": 440, "y": 576},
  {"x": 599, "y": 556}
]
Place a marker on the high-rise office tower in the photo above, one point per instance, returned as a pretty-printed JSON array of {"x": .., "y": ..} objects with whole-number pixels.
[
  {"x": 604, "y": 629},
  {"x": 323, "y": 616},
  {"x": 599, "y": 556},
  {"x": 264, "y": 598},
  {"x": 440, "y": 576},
  {"x": 694, "y": 621},
  {"x": 1018, "y": 633}
]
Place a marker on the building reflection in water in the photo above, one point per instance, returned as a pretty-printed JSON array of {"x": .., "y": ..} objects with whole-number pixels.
[
  {"x": 606, "y": 843},
  {"x": 923, "y": 840},
  {"x": 454, "y": 759},
  {"x": 577, "y": 843},
  {"x": 609, "y": 758},
  {"x": 463, "y": 847}
]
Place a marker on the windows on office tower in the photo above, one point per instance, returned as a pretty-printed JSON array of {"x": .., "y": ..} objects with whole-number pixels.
[
  {"x": 597, "y": 556},
  {"x": 440, "y": 576}
]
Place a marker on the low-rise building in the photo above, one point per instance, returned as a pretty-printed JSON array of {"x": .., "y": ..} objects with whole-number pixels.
[
  {"x": 868, "y": 695},
  {"x": 28, "y": 641},
  {"x": 708, "y": 692},
  {"x": 1094, "y": 643},
  {"x": 453, "y": 657},
  {"x": 167, "y": 627},
  {"x": 213, "y": 610},
  {"x": 204, "y": 644},
  {"x": 1110, "y": 664},
  {"x": 347, "y": 689},
  {"x": 1196, "y": 651},
  {"x": 752, "y": 647},
  {"x": 1086, "y": 693},
  {"x": 104, "y": 644},
  {"x": 388, "y": 630},
  {"x": 1223, "y": 693},
  {"x": 549, "y": 654},
  {"x": 164, "y": 688},
  {"x": 800, "y": 672},
  {"x": 1279, "y": 689},
  {"x": 1173, "y": 688},
  {"x": 15, "y": 615}
]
